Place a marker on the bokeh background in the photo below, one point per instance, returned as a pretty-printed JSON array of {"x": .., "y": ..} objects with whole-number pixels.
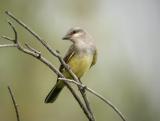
[{"x": 127, "y": 34}]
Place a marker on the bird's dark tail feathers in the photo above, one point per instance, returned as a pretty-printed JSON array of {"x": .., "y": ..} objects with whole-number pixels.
[{"x": 53, "y": 94}]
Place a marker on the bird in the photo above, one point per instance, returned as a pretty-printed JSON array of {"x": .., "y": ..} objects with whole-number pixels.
[{"x": 81, "y": 56}]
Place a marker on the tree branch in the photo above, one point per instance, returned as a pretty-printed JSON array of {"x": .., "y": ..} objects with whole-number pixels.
[
  {"x": 97, "y": 95},
  {"x": 36, "y": 54},
  {"x": 56, "y": 54},
  {"x": 83, "y": 93},
  {"x": 8, "y": 45},
  {"x": 14, "y": 103}
]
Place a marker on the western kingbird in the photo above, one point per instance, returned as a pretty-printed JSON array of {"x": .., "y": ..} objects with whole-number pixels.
[{"x": 81, "y": 55}]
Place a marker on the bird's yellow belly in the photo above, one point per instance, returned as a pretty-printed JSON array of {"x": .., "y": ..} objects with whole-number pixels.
[{"x": 79, "y": 65}]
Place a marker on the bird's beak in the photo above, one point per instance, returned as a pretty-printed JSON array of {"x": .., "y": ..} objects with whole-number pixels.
[{"x": 66, "y": 37}]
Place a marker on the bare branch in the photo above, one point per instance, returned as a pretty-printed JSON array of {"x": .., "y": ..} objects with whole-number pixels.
[
  {"x": 14, "y": 103},
  {"x": 56, "y": 54},
  {"x": 97, "y": 95},
  {"x": 31, "y": 32},
  {"x": 36, "y": 54},
  {"x": 15, "y": 32},
  {"x": 33, "y": 52},
  {"x": 7, "y": 38},
  {"x": 8, "y": 45},
  {"x": 83, "y": 93}
]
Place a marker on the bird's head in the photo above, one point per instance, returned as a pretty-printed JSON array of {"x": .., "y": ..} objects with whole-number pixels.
[{"x": 75, "y": 34}]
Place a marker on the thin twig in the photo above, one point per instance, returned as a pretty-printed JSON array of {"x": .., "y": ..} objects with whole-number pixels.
[
  {"x": 8, "y": 45},
  {"x": 9, "y": 39},
  {"x": 98, "y": 95},
  {"x": 14, "y": 103},
  {"x": 56, "y": 54},
  {"x": 15, "y": 40}
]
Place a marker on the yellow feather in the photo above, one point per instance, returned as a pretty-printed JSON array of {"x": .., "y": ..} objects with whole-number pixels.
[{"x": 79, "y": 65}]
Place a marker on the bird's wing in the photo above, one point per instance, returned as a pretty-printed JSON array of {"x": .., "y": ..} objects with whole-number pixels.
[
  {"x": 68, "y": 56},
  {"x": 94, "y": 58}
]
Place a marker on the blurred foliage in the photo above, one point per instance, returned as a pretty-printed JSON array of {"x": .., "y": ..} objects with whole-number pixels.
[{"x": 127, "y": 71}]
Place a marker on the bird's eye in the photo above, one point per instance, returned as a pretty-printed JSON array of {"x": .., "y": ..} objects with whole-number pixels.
[{"x": 73, "y": 32}]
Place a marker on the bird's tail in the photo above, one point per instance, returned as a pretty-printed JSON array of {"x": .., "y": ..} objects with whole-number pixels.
[{"x": 53, "y": 94}]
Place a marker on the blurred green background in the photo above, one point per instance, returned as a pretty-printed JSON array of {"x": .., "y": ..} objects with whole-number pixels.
[{"x": 127, "y": 34}]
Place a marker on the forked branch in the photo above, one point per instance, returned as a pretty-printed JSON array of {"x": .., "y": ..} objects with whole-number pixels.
[
  {"x": 37, "y": 54},
  {"x": 57, "y": 55},
  {"x": 97, "y": 95}
]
